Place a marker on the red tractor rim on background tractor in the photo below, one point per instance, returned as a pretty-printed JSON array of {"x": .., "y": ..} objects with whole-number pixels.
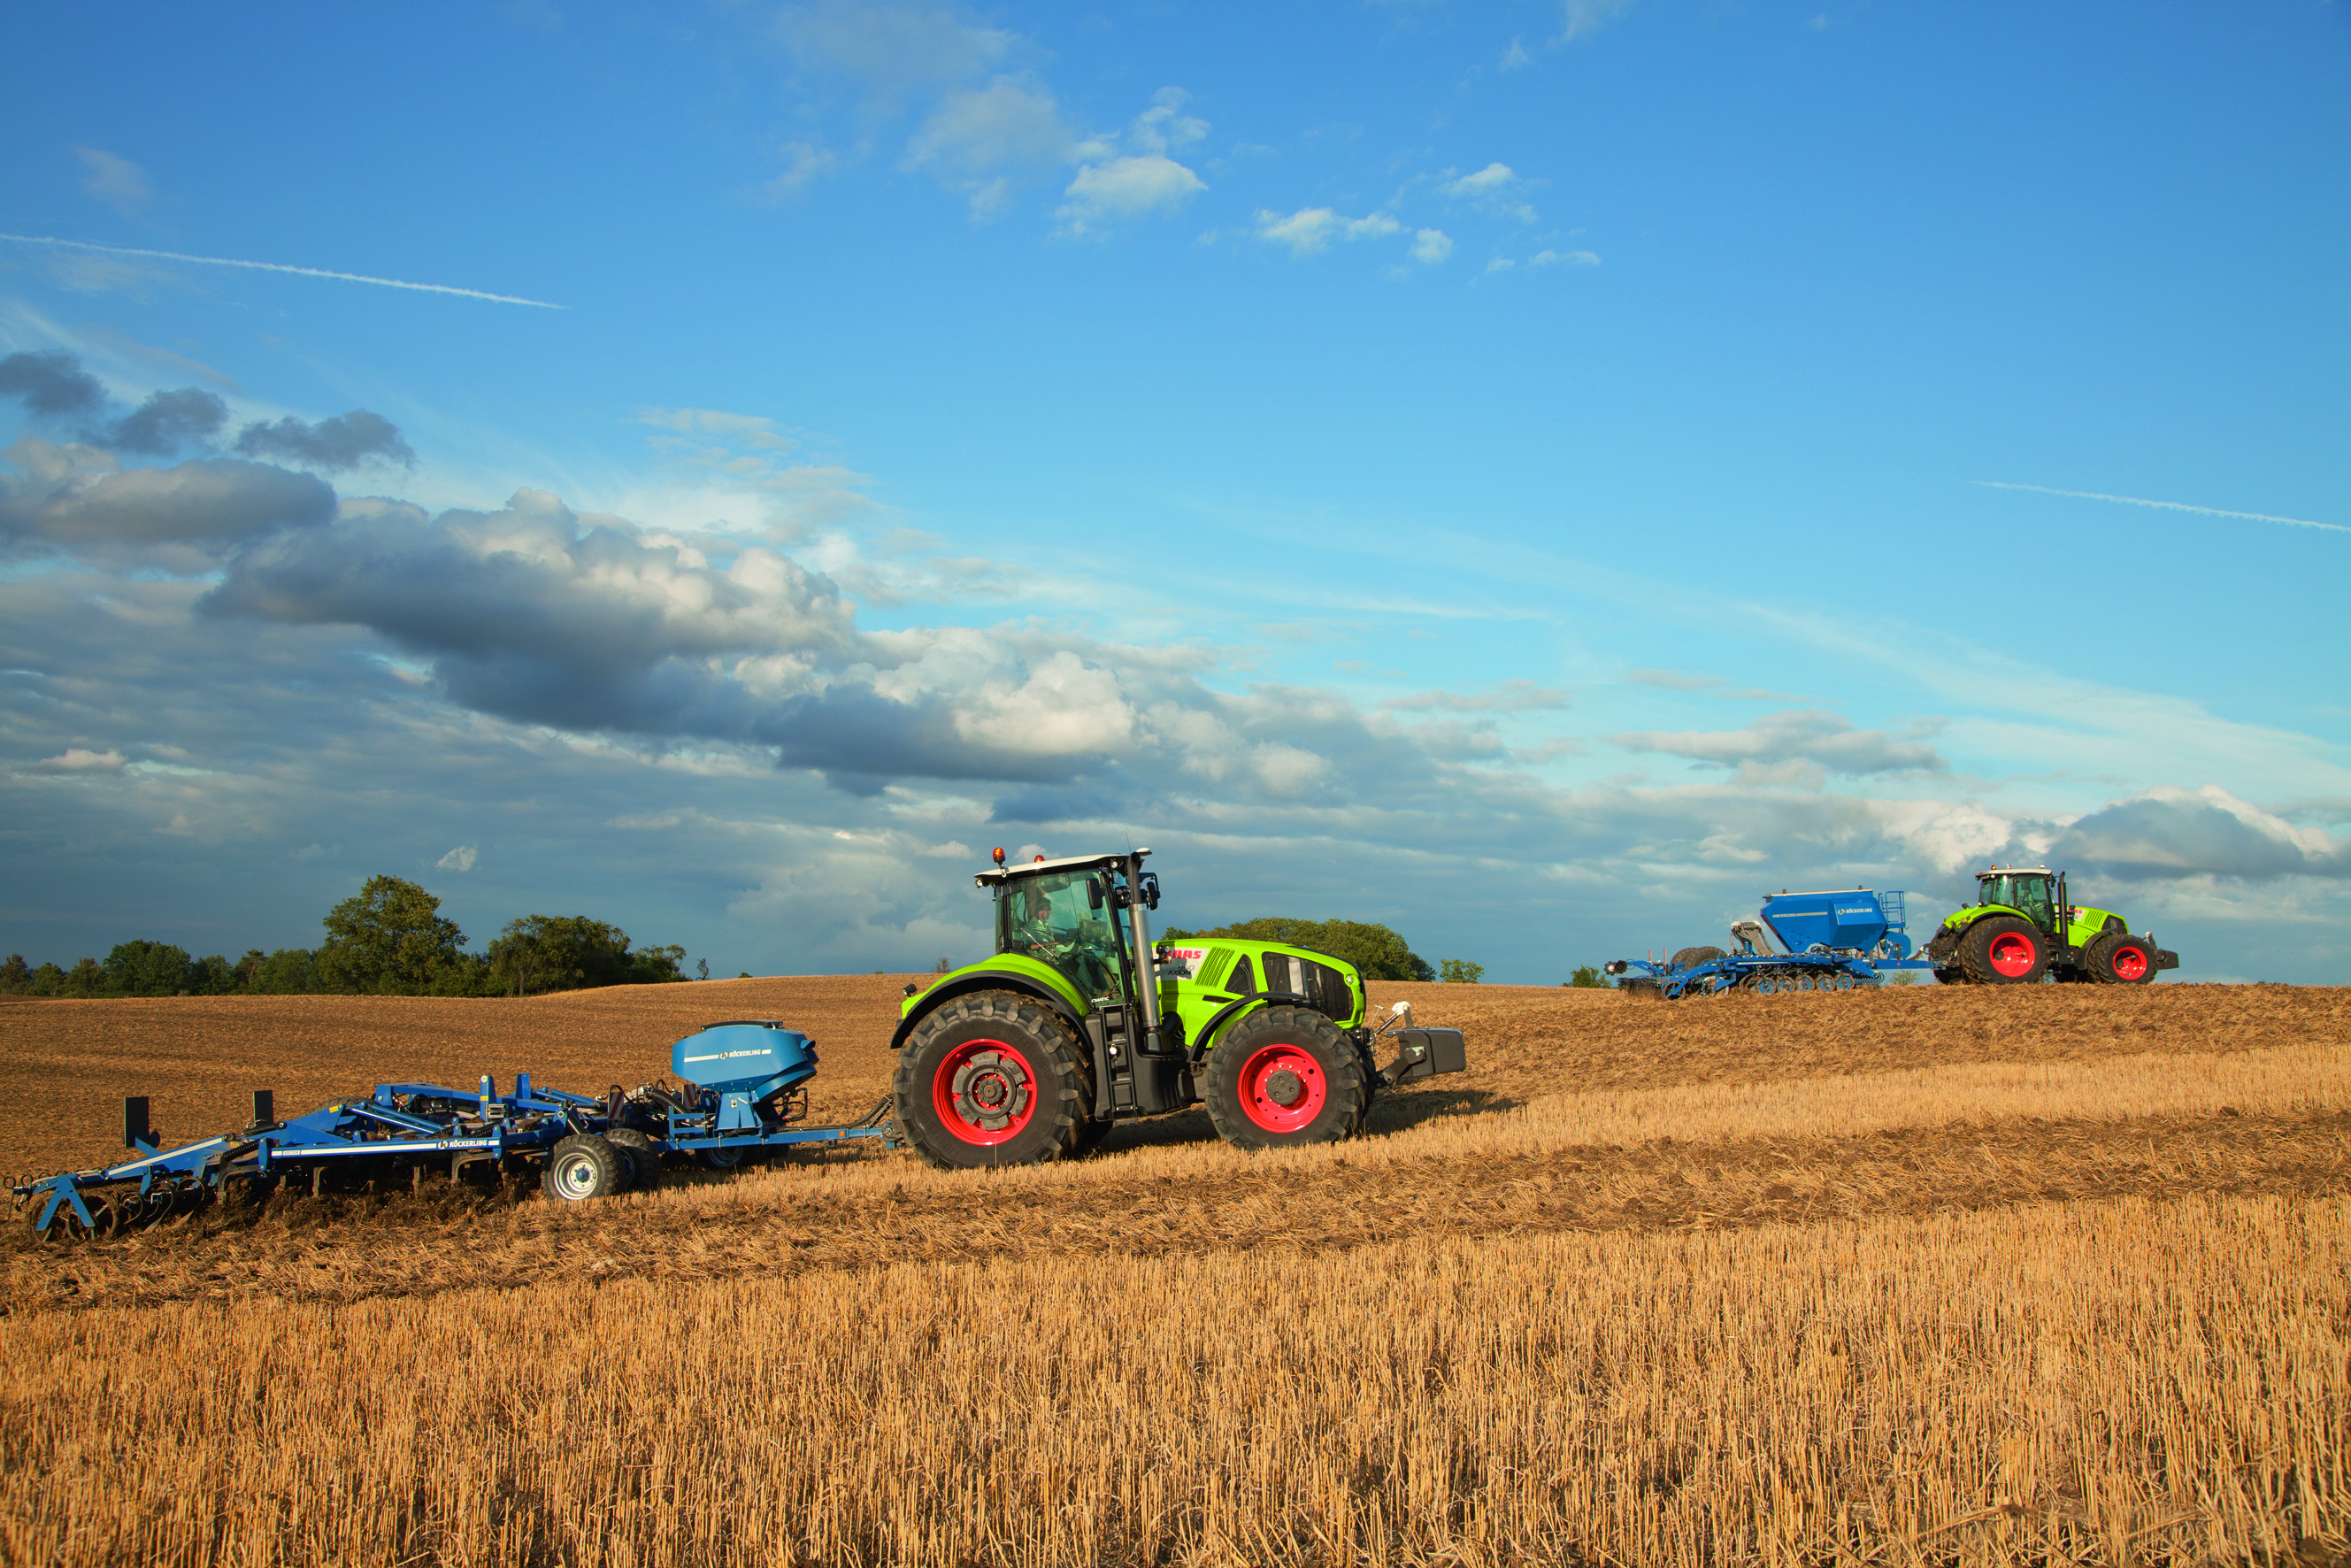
[
  {"x": 1276, "y": 1073},
  {"x": 984, "y": 1091},
  {"x": 2012, "y": 953},
  {"x": 2129, "y": 963}
]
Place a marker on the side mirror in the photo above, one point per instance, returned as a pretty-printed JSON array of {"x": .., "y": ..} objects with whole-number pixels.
[
  {"x": 1151, "y": 889},
  {"x": 1094, "y": 892}
]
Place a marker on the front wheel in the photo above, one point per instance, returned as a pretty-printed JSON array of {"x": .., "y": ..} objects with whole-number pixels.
[
  {"x": 990, "y": 1079},
  {"x": 1285, "y": 1076},
  {"x": 2002, "y": 950},
  {"x": 2121, "y": 960}
]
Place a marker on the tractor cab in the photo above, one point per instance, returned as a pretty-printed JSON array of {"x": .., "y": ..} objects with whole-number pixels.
[
  {"x": 1078, "y": 916},
  {"x": 2037, "y": 894}
]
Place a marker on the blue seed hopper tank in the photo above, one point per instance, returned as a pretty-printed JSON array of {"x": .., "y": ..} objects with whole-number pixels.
[{"x": 1853, "y": 919}]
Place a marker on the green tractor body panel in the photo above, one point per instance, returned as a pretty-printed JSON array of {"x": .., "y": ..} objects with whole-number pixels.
[
  {"x": 1208, "y": 982},
  {"x": 2085, "y": 926}
]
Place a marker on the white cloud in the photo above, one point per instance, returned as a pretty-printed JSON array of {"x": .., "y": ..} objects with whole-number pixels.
[
  {"x": 118, "y": 182},
  {"x": 1516, "y": 56},
  {"x": 460, "y": 859},
  {"x": 892, "y": 49},
  {"x": 77, "y": 760},
  {"x": 1584, "y": 16},
  {"x": 1794, "y": 748},
  {"x": 1430, "y": 246},
  {"x": 1012, "y": 122},
  {"x": 1311, "y": 229},
  {"x": 1126, "y": 188},
  {"x": 1498, "y": 188},
  {"x": 804, "y": 162},
  {"x": 1569, "y": 258}
]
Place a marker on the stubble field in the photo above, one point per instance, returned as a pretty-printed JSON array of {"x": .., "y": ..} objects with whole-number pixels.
[{"x": 1917, "y": 1275}]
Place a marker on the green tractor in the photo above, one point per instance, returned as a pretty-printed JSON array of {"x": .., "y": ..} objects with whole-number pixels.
[
  {"x": 1079, "y": 1022},
  {"x": 2021, "y": 929}
]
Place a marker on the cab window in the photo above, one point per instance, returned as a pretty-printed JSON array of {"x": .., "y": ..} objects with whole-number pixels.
[{"x": 1242, "y": 980}]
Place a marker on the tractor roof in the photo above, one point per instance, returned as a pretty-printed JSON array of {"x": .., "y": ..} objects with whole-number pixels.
[
  {"x": 2015, "y": 870},
  {"x": 1005, "y": 873}
]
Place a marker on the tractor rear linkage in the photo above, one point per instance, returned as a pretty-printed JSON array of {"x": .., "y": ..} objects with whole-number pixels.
[{"x": 744, "y": 1092}]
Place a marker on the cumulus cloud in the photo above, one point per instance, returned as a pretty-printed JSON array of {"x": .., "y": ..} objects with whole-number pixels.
[
  {"x": 345, "y": 441},
  {"x": 1563, "y": 259},
  {"x": 52, "y": 384},
  {"x": 804, "y": 163},
  {"x": 1430, "y": 246},
  {"x": 118, "y": 182},
  {"x": 1126, "y": 188},
  {"x": 80, "y": 759},
  {"x": 1497, "y": 188},
  {"x": 1796, "y": 747},
  {"x": 1312, "y": 229},
  {"x": 1509, "y": 696},
  {"x": 1011, "y": 121},
  {"x": 81, "y": 501},
  {"x": 461, "y": 859},
  {"x": 2169, "y": 832},
  {"x": 166, "y": 421},
  {"x": 1587, "y": 16},
  {"x": 891, "y": 49}
]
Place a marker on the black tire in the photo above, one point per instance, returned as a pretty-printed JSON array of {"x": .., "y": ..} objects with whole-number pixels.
[
  {"x": 1283, "y": 1077},
  {"x": 990, "y": 1079},
  {"x": 1690, "y": 956},
  {"x": 2119, "y": 958},
  {"x": 584, "y": 1166},
  {"x": 2002, "y": 950},
  {"x": 643, "y": 1159}
]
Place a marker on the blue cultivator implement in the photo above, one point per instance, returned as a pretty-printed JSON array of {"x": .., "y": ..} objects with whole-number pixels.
[
  {"x": 1805, "y": 941},
  {"x": 743, "y": 1093}
]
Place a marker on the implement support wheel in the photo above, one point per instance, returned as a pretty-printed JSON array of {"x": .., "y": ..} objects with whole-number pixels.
[
  {"x": 582, "y": 1166},
  {"x": 1284, "y": 1076},
  {"x": 643, "y": 1159},
  {"x": 992, "y": 1078}
]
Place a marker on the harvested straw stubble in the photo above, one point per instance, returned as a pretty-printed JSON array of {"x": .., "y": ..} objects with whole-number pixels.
[
  {"x": 2156, "y": 1382},
  {"x": 1969, "y": 1135}
]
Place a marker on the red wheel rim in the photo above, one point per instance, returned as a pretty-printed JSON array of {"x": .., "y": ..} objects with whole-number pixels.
[
  {"x": 1283, "y": 1088},
  {"x": 2012, "y": 953},
  {"x": 984, "y": 1091},
  {"x": 2130, "y": 964}
]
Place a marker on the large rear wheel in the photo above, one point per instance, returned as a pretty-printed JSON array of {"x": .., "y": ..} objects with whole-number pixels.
[
  {"x": 990, "y": 1079},
  {"x": 2002, "y": 950},
  {"x": 1690, "y": 956},
  {"x": 1285, "y": 1076}
]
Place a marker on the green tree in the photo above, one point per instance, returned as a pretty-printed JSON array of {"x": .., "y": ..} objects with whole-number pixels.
[
  {"x": 285, "y": 973},
  {"x": 148, "y": 969},
  {"x": 1461, "y": 971},
  {"x": 542, "y": 953},
  {"x": 388, "y": 938},
  {"x": 48, "y": 980},
  {"x": 1377, "y": 952},
  {"x": 16, "y": 975},
  {"x": 84, "y": 979},
  {"x": 1587, "y": 976},
  {"x": 213, "y": 977}
]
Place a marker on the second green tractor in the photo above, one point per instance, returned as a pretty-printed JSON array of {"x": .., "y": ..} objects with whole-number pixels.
[
  {"x": 1077, "y": 1020},
  {"x": 2022, "y": 928}
]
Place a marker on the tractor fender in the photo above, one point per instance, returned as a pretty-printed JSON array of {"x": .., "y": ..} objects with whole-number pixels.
[
  {"x": 985, "y": 980},
  {"x": 1233, "y": 1009}
]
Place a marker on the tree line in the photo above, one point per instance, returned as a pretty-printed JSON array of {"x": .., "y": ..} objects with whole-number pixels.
[{"x": 388, "y": 939}]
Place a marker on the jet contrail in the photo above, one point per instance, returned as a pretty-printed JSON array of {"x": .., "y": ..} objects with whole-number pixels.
[
  {"x": 281, "y": 267},
  {"x": 2166, "y": 506}
]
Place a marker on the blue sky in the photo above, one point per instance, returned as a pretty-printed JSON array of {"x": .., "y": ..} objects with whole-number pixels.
[{"x": 1536, "y": 474}]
